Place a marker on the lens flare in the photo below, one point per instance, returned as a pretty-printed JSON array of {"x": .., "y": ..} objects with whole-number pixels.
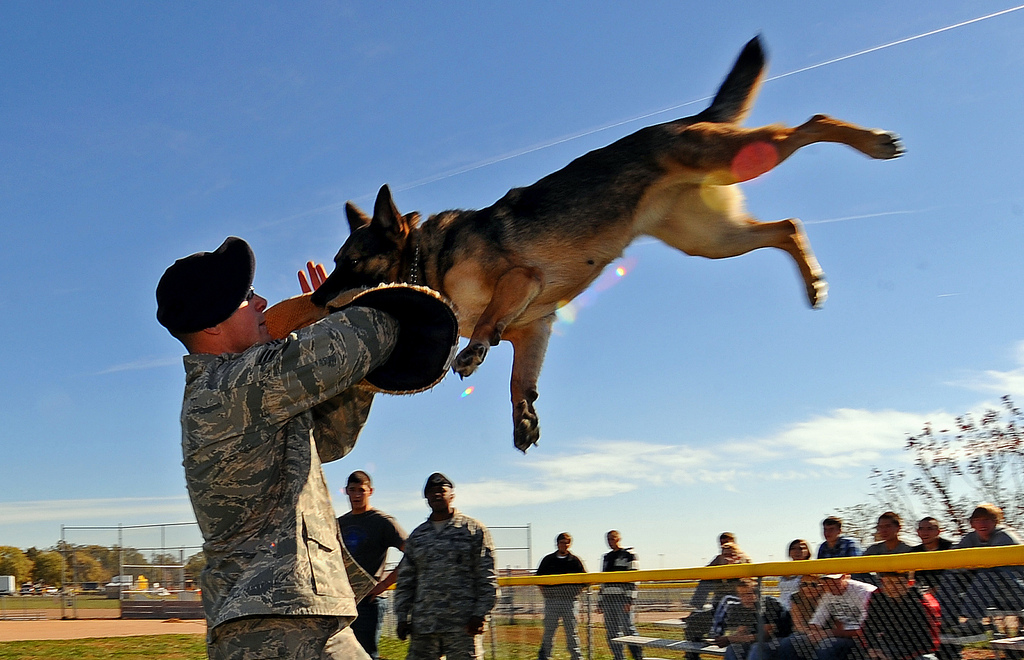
[
  {"x": 466, "y": 392},
  {"x": 569, "y": 310}
]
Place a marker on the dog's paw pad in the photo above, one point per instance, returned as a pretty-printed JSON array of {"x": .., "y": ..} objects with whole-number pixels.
[
  {"x": 469, "y": 359},
  {"x": 527, "y": 430}
]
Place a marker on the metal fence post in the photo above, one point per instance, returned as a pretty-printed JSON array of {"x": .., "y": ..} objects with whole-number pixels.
[
  {"x": 759, "y": 612},
  {"x": 590, "y": 627}
]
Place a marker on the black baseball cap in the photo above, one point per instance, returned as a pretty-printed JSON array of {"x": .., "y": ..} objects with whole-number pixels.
[
  {"x": 204, "y": 289},
  {"x": 436, "y": 479}
]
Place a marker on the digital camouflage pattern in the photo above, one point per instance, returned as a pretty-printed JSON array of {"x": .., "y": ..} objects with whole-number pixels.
[
  {"x": 446, "y": 576},
  {"x": 255, "y": 428},
  {"x": 292, "y": 637}
]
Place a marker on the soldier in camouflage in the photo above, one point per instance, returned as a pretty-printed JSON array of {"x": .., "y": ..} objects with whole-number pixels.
[
  {"x": 259, "y": 416},
  {"x": 447, "y": 584}
]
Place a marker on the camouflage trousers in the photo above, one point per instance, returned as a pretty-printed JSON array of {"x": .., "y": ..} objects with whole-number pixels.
[
  {"x": 452, "y": 645},
  {"x": 297, "y": 637}
]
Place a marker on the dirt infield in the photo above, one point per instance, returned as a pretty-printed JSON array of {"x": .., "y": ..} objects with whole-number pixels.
[{"x": 13, "y": 631}]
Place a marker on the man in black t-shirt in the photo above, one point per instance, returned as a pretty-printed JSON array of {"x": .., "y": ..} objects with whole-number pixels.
[
  {"x": 560, "y": 599},
  {"x": 368, "y": 533}
]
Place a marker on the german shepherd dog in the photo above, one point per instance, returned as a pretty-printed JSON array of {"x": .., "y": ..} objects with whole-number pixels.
[{"x": 508, "y": 267}]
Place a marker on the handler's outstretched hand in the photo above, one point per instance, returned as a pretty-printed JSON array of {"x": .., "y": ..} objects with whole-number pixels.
[{"x": 317, "y": 275}]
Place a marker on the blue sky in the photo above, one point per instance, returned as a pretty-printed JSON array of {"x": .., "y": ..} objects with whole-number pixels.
[{"x": 690, "y": 397}]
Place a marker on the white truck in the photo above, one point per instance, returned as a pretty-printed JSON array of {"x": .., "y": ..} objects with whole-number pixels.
[{"x": 8, "y": 586}]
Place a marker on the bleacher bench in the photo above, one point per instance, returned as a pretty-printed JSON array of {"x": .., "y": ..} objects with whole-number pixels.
[{"x": 682, "y": 645}]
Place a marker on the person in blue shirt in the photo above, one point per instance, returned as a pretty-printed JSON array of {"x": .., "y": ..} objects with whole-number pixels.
[{"x": 835, "y": 544}]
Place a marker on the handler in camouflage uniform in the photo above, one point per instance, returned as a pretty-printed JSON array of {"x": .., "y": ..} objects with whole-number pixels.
[
  {"x": 258, "y": 418},
  {"x": 446, "y": 582}
]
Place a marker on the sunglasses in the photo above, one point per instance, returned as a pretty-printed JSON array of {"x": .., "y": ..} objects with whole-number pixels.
[{"x": 250, "y": 294}]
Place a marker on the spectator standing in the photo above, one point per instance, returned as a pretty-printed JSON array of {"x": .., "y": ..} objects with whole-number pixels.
[
  {"x": 798, "y": 550},
  {"x": 836, "y": 545},
  {"x": 446, "y": 584},
  {"x": 616, "y": 599},
  {"x": 368, "y": 533},
  {"x": 561, "y": 600},
  {"x": 1001, "y": 587},
  {"x": 902, "y": 621}
]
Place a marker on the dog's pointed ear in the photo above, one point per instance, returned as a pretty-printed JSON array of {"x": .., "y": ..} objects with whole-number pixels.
[
  {"x": 387, "y": 217},
  {"x": 356, "y": 218}
]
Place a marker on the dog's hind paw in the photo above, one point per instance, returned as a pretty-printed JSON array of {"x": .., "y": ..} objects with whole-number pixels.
[
  {"x": 469, "y": 358},
  {"x": 527, "y": 431},
  {"x": 889, "y": 145}
]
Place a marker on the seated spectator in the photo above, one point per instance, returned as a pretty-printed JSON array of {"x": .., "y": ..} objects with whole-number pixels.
[
  {"x": 730, "y": 554},
  {"x": 837, "y": 621},
  {"x": 1001, "y": 587},
  {"x": 929, "y": 531},
  {"x": 888, "y": 534},
  {"x": 835, "y": 544},
  {"x": 797, "y": 645},
  {"x": 798, "y": 550},
  {"x": 902, "y": 621},
  {"x": 887, "y": 531},
  {"x": 737, "y": 628}
]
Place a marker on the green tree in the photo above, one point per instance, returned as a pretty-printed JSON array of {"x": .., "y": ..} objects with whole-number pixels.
[
  {"x": 194, "y": 566},
  {"x": 14, "y": 562},
  {"x": 46, "y": 568}
]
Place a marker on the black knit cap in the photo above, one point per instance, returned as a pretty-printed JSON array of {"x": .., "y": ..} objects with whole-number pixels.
[
  {"x": 436, "y": 479},
  {"x": 204, "y": 289}
]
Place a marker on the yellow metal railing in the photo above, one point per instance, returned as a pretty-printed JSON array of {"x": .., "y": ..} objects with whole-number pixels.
[{"x": 1011, "y": 555}]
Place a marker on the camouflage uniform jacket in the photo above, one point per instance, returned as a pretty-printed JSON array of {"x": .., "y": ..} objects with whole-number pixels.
[
  {"x": 255, "y": 428},
  {"x": 446, "y": 576}
]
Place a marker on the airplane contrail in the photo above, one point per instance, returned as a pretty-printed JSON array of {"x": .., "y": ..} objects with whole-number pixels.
[{"x": 604, "y": 127}]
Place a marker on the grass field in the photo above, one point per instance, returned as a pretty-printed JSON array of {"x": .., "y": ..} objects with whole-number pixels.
[
  {"x": 522, "y": 644},
  {"x": 158, "y": 647}
]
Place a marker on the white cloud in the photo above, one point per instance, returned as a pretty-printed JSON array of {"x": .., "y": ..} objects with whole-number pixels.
[
  {"x": 850, "y": 432},
  {"x": 1001, "y": 382}
]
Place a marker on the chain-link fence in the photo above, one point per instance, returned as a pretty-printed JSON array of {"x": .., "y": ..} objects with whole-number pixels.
[
  {"x": 130, "y": 571},
  {"x": 946, "y": 605}
]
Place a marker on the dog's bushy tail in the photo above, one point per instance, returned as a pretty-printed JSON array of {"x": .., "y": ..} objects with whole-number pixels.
[{"x": 735, "y": 97}]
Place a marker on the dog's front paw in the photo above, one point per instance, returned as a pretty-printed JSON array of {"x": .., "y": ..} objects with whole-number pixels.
[
  {"x": 527, "y": 426},
  {"x": 889, "y": 145},
  {"x": 469, "y": 358}
]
